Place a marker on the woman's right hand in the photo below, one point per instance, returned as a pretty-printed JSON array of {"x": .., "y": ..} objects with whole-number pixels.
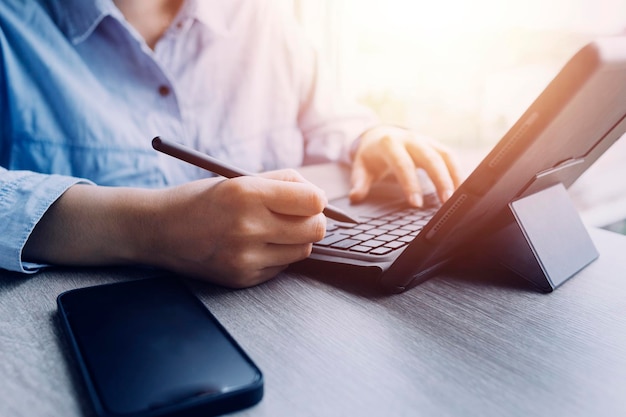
[{"x": 237, "y": 232}]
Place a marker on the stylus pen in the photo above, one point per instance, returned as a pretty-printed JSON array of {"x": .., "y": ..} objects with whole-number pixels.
[{"x": 216, "y": 166}]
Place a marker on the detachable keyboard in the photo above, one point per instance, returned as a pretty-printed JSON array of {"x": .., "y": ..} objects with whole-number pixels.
[{"x": 378, "y": 235}]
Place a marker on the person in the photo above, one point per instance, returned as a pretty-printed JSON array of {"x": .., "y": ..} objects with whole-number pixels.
[{"x": 85, "y": 85}]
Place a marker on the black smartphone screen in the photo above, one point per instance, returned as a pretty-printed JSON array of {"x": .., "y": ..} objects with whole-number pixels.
[{"x": 150, "y": 347}]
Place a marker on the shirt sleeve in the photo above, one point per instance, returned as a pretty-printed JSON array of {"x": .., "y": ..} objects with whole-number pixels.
[
  {"x": 24, "y": 198},
  {"x": 330, "y": 122}
]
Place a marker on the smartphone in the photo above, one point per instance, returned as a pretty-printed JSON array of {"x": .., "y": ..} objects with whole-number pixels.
[{"x": 150, "y": 347}]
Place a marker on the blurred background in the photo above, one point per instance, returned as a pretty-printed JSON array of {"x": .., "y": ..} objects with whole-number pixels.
[{"x": 463, "y": 71}]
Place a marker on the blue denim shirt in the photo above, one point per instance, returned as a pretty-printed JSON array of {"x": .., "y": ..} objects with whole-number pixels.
[{"x": 82, "y": 95}]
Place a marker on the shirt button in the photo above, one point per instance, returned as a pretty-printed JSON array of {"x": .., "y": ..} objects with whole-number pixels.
[{"x": 164, "y": 90}]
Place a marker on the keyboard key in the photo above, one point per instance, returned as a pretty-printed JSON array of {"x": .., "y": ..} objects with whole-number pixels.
[
  {"x": 373, "y": 243},
  {"x": 390, "y": 217},
  {"x": 330, "y": 239},
  {"x": 399, "y": 232},
  {"x": 349, "y": 232},
  {"x": 414, "y": 227},
  {"x": 413, "y": 217},
  {"x": 360, "y": 248},
  {"x": 376, "y": 222},
  {"x": 380, "y": 250},
  {"x": 363, "y": 236},
  {"x": 376, "y": 232},
  {"x": 395, "y": 244},
  {"x": 345, "y": 244},
  {"x": 388, "y": 226},
  {"x": 344, "y": 225},
  {"x": 378, "y": 236}
]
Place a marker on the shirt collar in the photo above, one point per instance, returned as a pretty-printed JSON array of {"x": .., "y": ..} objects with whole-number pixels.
[{"x": 79, "y": 18}]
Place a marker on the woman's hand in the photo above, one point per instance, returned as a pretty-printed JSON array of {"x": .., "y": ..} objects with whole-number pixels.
[
  {"x": 393, "y": 149},
  {"x": 237, "y": 232},
  {"x": 242, "y": 231}
]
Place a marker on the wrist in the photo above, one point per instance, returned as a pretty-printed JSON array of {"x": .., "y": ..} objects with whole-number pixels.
[
  {"x": 160, "y": 224},
  {"x": 139, "y": 232}
]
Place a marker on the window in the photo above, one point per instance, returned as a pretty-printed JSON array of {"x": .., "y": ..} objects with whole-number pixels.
[{"x": 461, "y": 71}]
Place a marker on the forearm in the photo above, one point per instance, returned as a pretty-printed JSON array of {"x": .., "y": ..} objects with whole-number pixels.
[
  {"x": 236, "y": 232},
  {"x": 91, "y": 225}
]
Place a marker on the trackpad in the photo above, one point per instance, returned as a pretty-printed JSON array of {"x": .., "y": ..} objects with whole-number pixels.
[{"x": 384, "y": 197}]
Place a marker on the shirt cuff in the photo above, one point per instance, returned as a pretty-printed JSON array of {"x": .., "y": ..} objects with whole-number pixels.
[{"x": 24, "y": 199}]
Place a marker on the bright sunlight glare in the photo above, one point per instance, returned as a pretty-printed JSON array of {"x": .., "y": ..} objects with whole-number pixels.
[{"x": 460, "y": 70}]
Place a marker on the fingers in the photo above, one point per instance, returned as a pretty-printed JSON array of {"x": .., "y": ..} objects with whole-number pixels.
[
  {"x": 361, "y": 181},
  {"x": 287, "y": 192},
  {"x": 438, "y": 169},
  {"x": 250, "y": 268},
  {"x": 237, "y": 232},
  {"x": 451, "y": 164},
  {"x": 401, "y": 152},
  {"x": 293, "y": 199},
  {"x": 276, "y": 233},
  {"x": 274, "y": 211},
  {"x": 283, "y": 255},
  {"x": 290, "y": 230},
  {"x": 246, "y": 267},
  {"x": 403, "y": 168},
  {"x": 289, "y": 175}
]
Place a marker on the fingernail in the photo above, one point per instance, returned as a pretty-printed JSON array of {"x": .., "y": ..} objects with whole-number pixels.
[
  {"x": 417, "y": 200},
  {"x": 357, "y": 190},
  {"x": 447, "y": 194}
]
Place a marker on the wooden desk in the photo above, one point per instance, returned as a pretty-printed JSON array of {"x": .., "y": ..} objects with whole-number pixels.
[{"x": 459, "y": 345}]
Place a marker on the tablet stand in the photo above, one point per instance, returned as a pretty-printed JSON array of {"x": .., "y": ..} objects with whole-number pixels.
[{"x": 546, "y": 241}]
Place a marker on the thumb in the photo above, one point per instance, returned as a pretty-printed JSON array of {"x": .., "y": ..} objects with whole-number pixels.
[{"x": 361, "y": 181}]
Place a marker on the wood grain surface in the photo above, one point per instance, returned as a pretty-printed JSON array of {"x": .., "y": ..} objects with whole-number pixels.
[{"x": 466, "y": 343}]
